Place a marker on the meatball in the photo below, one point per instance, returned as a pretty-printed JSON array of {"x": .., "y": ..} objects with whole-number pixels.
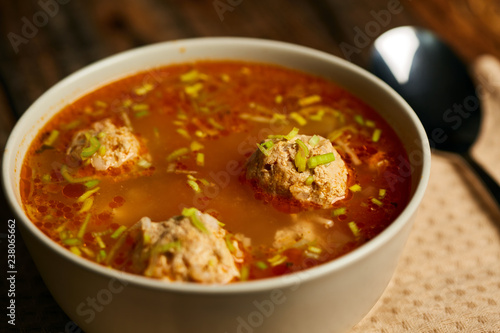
[
  {"x": 272, "y": 169},
  {"x": 119, "y": 145},
  {"x": 184, "y": 248}
]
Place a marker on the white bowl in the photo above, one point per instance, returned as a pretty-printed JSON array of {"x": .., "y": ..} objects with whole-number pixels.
[{"x": 329, "y": 298}]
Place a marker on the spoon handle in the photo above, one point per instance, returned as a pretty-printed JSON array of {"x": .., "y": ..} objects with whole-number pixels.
[{"x": 488, "y": 181}]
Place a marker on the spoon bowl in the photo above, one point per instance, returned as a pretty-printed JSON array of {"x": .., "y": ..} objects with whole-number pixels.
[{"x": 437, "y": 85}]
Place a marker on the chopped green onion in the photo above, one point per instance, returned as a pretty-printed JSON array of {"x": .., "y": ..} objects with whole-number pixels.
[
  {"x": 277, "y": 260},
  {"x": 51, "y": 138},
  {"x": 92, "y": 183},
  {"x": 370, "y": 123},
  {"x": 355, "y": 188},
  {"x": 191, "y": 213},
  {"x": 339, "y": 211},
  {"x": 144, "y": 163},
  {"x": 301, "y": 156},
  {"x": 359, "y": 119},
  {"x": 194, "y": 185},
  {"x": 229, "y": 245},
  {"x": 75, "y": 250},
  {"x": 46, "y": 178},
  {"x": 354, "y": 228},
  {"x": 195, "y": 146},
  {"x": 298, "y": 118},
  {"x": 147, "y": 87},
  {"x": 265, "y": 147},
  {"x": 200, "y": 159},
  {"x": 309, "y": 100},
  {"x": 72, "y": 241},
  {"x": 318, "y": 116},
  {"x": 87, "y": 204},
  {"x": 162, "y": 248},
  {"x": 140, "y": 107},
  {"x": 101, "y": 256},
  {"x": 314, "y": 249},
  {"x": 382, "y": 192},
  {"x": 194, "y": 89},
  {"x": 376, "y": 134},
  {"x": 184, "y": 133},
  {"x": 81, "y": 232},
  {"x": 177, "y": 153},
  {"x": 87, "y": 194},
  {"x": 260, "y": 264},
  {"x": 102, "y": 150},
  {"x": 292, "y": 133},
  {"x": 99, "y": 241},
  {"x": 314, "y": 140},
  {"x": 314, "y": 161},
  {"x": 101, "y": 104},
  {"x": 244, "y": 273},
  {"x": 141, "y": 114},
  {"x": 89, "y": 151},
  {"x": 309, "y": 180},
  {"x": 215, "y": 124},
  {"x": 278, "y": 99},
  {"x": 70, "y": 179},
  {"x": 377, "y": 202},
  {"x": 118, "y": 232}
]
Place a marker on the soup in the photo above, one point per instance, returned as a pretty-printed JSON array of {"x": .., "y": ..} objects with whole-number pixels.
[{"x": 168, "y": 173}]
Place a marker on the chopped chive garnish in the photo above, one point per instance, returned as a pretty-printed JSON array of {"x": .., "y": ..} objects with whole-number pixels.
[
  {"x": 314, "y": 140},
  {"x": 215, "y": 124},
  {"x": 309, "y": 180},
  {"x": 140, "y": 107},
  {"x": 314, "y": 161},
  {"x": 318, "y": 116},
  {"x": 260, "y": 264},
  {"x": 370, "y": 123},
  {"x": 81, "y": 232},
  {"x": 87, "y": 194},
  {"x": 101, "y": 256},
  {"x": 377, "y": 202},
  {"x": 191, "y": 213},
  {"x": 72, "y": 241},
  {"x": 314, "y": 249},
  {"x": 359, "y": 119},
  {"x": 339, "y": 211},
  {"x": 75, "y": 250},
  {"x": 265, "y": 147},
  {"x": 147, "y": 87},
  {"x": 354, "y": 228},
  {"x": 141, "y": 114},
  {"x": 46, "y": 178},
  {"x": 194, "y": 89},
  {"x": 298, "y": 118},
  {"x": 277, "y": 260},
  {"x": 177, "y": 153},
  {"x": 51, "y": 138},
  {"x": 118, "y": 232},
  {"x": 355, "y": 188},
  {"x": 309, "y": 100},
  {"x": 184, "y": 133},
  {"x": 301, "y": 156},
  {"x": 382, "y": 192},
  {"x": 292, "y": 133},
  {"x": 229, "y": 245},
  {"x": 244, "y": 273},
  {"x": 102, "y": 150},
  {"x": 87, "y": 204},
  {"x": 195, "y": 146},
  {"x": 144, "y": 163},
  {"x": 376, "y": 134},
  {"x": 194, "y": 185},
  {"x": 200, "y": 159},
  {"x": 99, "y": 242},
  {"x": 162, "y": 248},
  {"x": 90, "y": 150},
  {"x": 92, "y": 183}
]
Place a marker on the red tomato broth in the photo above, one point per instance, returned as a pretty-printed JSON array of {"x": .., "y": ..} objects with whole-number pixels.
[{"x": 229, "y": 89}]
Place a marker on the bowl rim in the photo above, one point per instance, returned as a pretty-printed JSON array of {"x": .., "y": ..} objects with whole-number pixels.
[{"x": 240, "y": 287}]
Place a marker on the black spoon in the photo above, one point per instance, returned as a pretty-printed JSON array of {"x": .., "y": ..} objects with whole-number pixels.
[{"x": 437, "y": 85}]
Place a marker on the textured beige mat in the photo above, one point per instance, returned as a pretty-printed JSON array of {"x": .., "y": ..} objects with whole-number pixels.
[{"x": 448, "y": 278}]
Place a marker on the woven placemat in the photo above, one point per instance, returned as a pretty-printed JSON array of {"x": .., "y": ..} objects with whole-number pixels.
[{"x": 448, "y": 277}]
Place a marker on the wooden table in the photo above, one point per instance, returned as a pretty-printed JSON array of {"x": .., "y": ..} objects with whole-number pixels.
[{"x": 44, "y": 41}]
